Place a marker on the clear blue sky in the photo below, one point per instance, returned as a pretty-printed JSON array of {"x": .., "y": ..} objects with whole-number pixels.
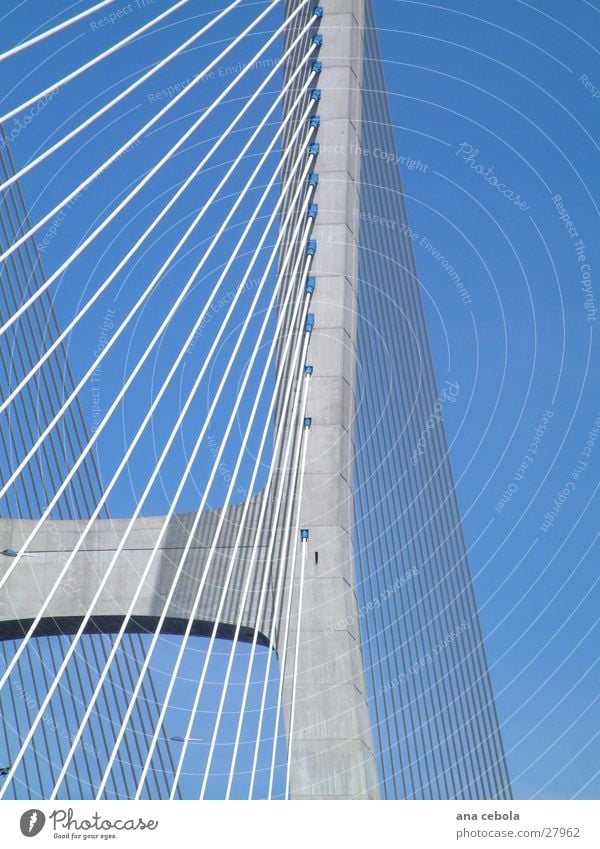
[{"x": 500, "y": 105}]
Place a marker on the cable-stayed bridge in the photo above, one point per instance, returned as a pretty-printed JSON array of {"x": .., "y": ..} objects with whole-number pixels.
[{"x": 233, "y": 562}]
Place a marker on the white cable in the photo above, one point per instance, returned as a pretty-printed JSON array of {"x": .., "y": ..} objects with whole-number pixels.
[
  {"x": 146, "y": 234},
  {"x": 207, "y": 564},
  {"x": 281, "y": 318},
  {"x": 108, "y": 347},
  {"x": 298, "y": 626},
  {"x": 250, "y": 570},
  {"x": 140, "y": 133},
  {"x": 37, "y": 38},
  {"x": 274, "y": 519},
  {"x": 153, "y": 70},
  {"x": 174, "y": 433},
  {"x": 182, "y": 561},
  {"x": 228, "y": 576},
  {"x": 82, "y": 626},
  {"x": 65, "y": 568},
  {"x": 295, "y": 492},
  {"x": 52, "y": 88},
  {"x": 190, "y": 282},
  {"x": 280, "y": 584},
  {"x": 283, "y": 465}
]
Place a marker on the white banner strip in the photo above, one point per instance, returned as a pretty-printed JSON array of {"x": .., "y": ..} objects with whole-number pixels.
[{"x": 351, "y": 825}]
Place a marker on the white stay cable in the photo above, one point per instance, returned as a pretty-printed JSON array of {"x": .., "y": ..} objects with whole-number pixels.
[
  {"x": 22, "y": 646},
  {"x": 63, "y": 25},
  {"x": 174, "y": 433},
  {"x": 88, "y": 615},
  {"x": 146, "y": 127},
  {"x": 281, "y": 575},
  {"x": 149, "y": 413},
  {"x": 52, "y": 88},
  {"x": 289, "y": 556},
  {"x": 142, "y": 360},
  {"x": 230, "y": 569},
  {"x": 295, "y": 362},
  {"x": 183, "y": 558},
  {"x": 192, "y": 532},
  {"x": 282, "y": 312},
  {"x": 147, "y": 233},
  {"x": 282, "y": 467},
  {"x": 298, "y": 627},
  {"x": 117, "y": 99}
]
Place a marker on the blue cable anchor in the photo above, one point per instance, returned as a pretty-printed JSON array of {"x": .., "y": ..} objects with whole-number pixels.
[
  {"x": 313, "y": 179},
  {"x": 310, "y": 322},
  {"x": 311, "y": 247},
  {"x": 311, "y": 282},
  {"x": 313, "y": 210}
]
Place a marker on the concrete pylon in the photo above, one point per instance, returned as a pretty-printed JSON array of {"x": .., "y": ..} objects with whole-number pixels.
[{"x": 332, "y": 752}]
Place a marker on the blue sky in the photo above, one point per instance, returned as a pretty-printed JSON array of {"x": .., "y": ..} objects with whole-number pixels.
[
  {"x": 498, "y": 106},
  {"x": 508, "y": 87}
]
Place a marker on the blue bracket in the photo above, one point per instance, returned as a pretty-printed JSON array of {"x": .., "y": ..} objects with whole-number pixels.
[
  {"x": 310, "y": 322},
  {"x": 316, "y": 66},
  {"x": 308, "y": 369},
  {"x": 315, "y": 94},
  {"x": 318, "y": 11},
  {"x": 314, "y": 148},
  {"x": 311, "y": 282},
  {"x": 317, "y": 39},
  {"x": 307, "y": 421},
  {"x": 303, "y": 533},
  {"x": 315, "y": 121},
  {"x": 313, "y": 179},
  {"x": 313, "y": 210},
  {"x": 311, "y": 247}
]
